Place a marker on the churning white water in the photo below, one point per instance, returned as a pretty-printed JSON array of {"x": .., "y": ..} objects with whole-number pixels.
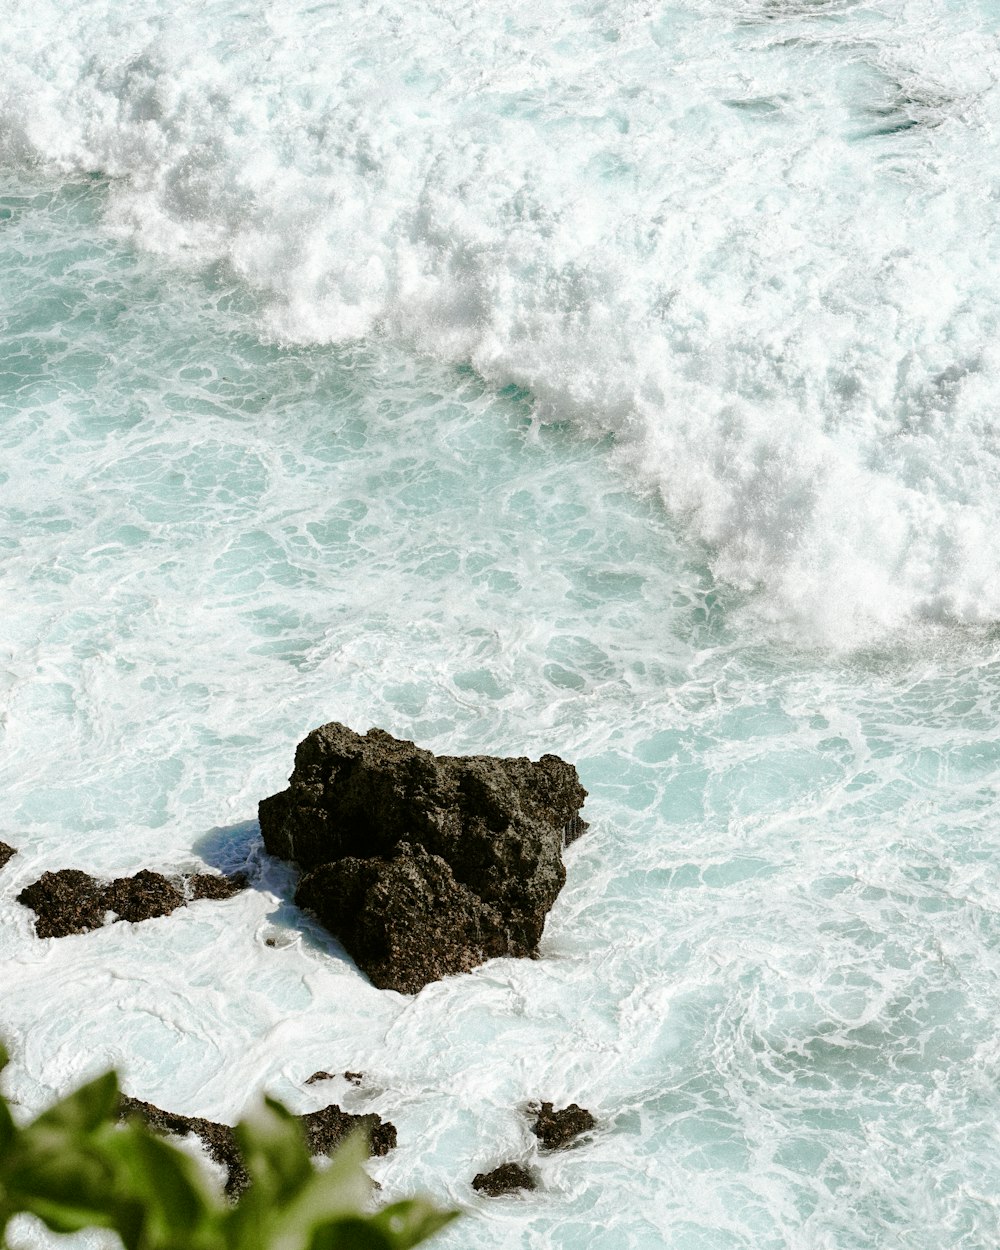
[{"x": 611, "y": 379}]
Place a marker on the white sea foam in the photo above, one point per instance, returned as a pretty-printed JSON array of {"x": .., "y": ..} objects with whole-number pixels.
[
  {"x": 772, "y": 972},
  {"x": 753, "y": 239}
]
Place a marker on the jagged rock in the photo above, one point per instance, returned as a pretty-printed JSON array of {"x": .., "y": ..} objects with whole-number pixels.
[
  {"x": 354, "y": 1077},
  {"x": 6, "y": 853},
  {"x": 142, "y": 897},
  {"x": 324, "y": 1130},
  {"x": 318, "y": 1076},
  {"x": 71, "y": 901},
  {"x": 214, "y": 886},
  {"x": 508, "y": 1178},
  {"x": 65, "y": 902},
  {"x": 219, "y": 1140},
  {"x": 557, "y": 1128},
  {"x": 423, "y": 865}
]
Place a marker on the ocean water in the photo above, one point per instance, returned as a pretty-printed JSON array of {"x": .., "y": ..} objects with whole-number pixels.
[{"x": 611, "y": 379}]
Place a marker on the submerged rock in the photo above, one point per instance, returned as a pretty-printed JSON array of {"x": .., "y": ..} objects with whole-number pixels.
[
  {"x": 70, "y": 901},
  {"x": 6, "y": 853},
  {"x": 65, "y": 902},
  {"x": 423, "y": 865},
  {"x": 557, "y": 1128},
  {"x": 324, "y": 1130},
  {"x": 508, "y": 1178}
]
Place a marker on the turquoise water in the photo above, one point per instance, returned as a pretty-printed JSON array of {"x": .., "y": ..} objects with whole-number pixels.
[{"x": 322, "y": 401}]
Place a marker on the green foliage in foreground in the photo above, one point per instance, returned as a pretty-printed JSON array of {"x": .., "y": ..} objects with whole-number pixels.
[{"x": 76, "y": 1167}]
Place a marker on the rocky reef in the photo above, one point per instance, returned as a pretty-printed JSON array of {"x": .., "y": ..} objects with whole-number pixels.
[
  {"x": 72, "y": 901},
  {"x": 324, "y": 1130},
  {"x": 423, "y": 865}
]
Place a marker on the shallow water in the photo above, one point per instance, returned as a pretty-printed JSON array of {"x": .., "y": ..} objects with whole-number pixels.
[{"x": 625, "y": 393}]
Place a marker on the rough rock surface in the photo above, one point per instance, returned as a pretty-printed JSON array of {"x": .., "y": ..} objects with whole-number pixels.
[
  {"x": 219, "y": 1140},
  {"x": 214, "y": 886},
  {"x": 423, "y": 865},
  {"x": 557, "y": 1128},
  {"x": 508, "y": 1178},
  {"x": 6, "y": 853},
  {"x": 65, "y": 902},
  {"x": 71, "y": 901},
  {"x": 142, "y": 897},
  {"x": 324, "y": 1130}
]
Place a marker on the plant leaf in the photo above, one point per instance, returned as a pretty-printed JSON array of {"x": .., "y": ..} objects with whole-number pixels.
[{"x": 84, "y": 1110}]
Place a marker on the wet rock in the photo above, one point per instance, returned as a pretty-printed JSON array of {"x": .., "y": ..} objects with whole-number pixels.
[
  {"x": 318, "y": 1076},
  {"x": 65, "y": 902},
  {"x": 508, "y": 1178},
  {"x": 215, "y": 886},
  {"x": 423, "y": 865},
  {"x": 6, "y": 853},
  {"x": 71, "y": 901},
  {"x": 557, "y": 1128},
  {"x": 142, "y": 897},
  {"x": 354, "y": 1077},
  {"x": 219, "y": 1140},
  {"x": 324, "y": 1130}
]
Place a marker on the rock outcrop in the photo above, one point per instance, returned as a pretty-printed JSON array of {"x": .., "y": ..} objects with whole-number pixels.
[
  {"x": 423, "y": 865},
  {"x": 65, "y": 902},
  {"x": 558, "y": 1128},
  {"x": 324, "y": 1130},
  {"x": 6, "y": 853},
  {"x": 71, "y": 901},
  {"x": 508, "y": 1178}
]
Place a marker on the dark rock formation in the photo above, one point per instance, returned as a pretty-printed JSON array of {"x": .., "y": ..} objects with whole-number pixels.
[
  {"x": 355, "y": 1078},
  {"x": 423, "y": 865},
  {"x": 508, "y": 1178},
  {"x": 65, "y": 902},
  {"x": 142, "y": 897},
  {"x": 6, "y": 853},
  {"x": 71, "y": 901},
  {"x": 219, "y": 1140},
  {"x": 324, "y": 1130},
  {"x": 214, "y": 886},
  {"x": 556, "y": 1128}
]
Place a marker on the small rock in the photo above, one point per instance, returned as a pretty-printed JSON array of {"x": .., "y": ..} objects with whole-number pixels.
[
  {"x": 318, "y": 1076},
  {"x": 557, "y": 1128},
  {"x": 65, "y": 902},
  {"x": 326, "y": 1129},
  {"x": 215, "y": 886},
  {"x": 354, "y": 1077},
  {"x": 6, "y": 853},
  {"x": 142, "y": 897},
  {"x": 508, "y": 1178}
]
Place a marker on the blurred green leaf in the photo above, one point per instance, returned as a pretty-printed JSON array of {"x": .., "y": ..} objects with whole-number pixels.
[
  {"x": 76, "y": 1167},
  {"x": 409, "y": 1222},
  {"x": 84, "y": 1110}
]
